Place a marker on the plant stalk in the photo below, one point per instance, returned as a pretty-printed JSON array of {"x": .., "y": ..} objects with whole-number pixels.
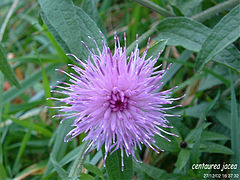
[
  {"x": 208, "y": 13},
  {"x": 155, "y": 8}
]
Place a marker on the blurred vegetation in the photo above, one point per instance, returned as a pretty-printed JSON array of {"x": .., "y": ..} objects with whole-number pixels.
[{"x": 203, "y": 45}]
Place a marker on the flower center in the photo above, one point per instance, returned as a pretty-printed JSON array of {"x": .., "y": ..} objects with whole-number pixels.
[{"x": 118, "y": 101}]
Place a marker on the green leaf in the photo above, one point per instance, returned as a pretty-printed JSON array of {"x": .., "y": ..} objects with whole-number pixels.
[
  {"x": 166, "y": 145},
  {"x": 36, "y": 127},
  {"x": 152, "y": 171},
  {"x": 175, "y": 67},
  {"x": 194, "y": 111},
  {"x": 24, "y": 106},
  {"x": 235, "y": 133},
  {"x": 90, "y": 7},
  {"x": 151, "y": 5},
  {"x": 1, "y": 99},
  {"x": 35, "y": 167},
  {"x": 189, "y": 7},
  {"x": 85, "y": 177},
  {"x": 78, "y": 162},
  {"x": 6, "y": 68},
  {"x": 3, "y": 172},
  {"x": 222, "y": 115},
  {"x": 93, "y": 169},
  {"x": 59, "y": 147},
  {"x": 61, "y": 172},
  {"x": 195, "y": 155},
  {"x": 46, "y": 88},
  {"x": 70, "y": 25},
  {"x": 183, "y": 158},
  {"x": 222, "y": 35},
  {"x": 191, "y": 35},
  {"x": 194, "y": 137},
  {"x": 21, "y": 149},
  {"x": 46, "y": 58},
  {"x": 26, "y": 83},
  {"x": 183, "y": 32},
  {"x": 230, "y": 57},
  {"x": 213, "y": 136},
  {"x": 215, "y": 148},
  {"x": 114, "y": 166},
  {"x": 176, "y": 10},
  {"x": 70, "y": 156},
  {"x": 157, "y": 48}
]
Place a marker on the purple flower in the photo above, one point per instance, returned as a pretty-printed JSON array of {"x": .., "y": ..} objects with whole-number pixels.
[{"x": 115, "y": 100}]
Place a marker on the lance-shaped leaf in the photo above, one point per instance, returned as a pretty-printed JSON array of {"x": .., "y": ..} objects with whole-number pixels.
[
  {"x": 70, "y": 25},
  {"x": 222, "y": 35},
  {"x": 6, "y": 68},
  {"x": 191, "y": 35}
]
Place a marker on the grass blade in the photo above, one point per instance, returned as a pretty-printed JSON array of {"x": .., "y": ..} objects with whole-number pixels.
[
  {"x": 21, "y": 149},
  {"x": 6, "y": 68},
  {"x": 235, "y": 133}
]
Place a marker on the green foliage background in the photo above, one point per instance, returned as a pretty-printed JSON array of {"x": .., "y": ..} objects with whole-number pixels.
[{"x": 201, "y": 40}]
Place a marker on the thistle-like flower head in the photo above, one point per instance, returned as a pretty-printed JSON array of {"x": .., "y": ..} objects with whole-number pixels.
[{"x": 115, "y": 100}]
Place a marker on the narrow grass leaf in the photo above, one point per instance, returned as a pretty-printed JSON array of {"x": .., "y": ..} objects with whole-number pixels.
[
  {"x": 6, "y": 68},
  {"x": 26, "y": 83},
  {"x": 222, "y": 35},
  {"x": 1, "y": 98},
  {"x": 93, "y": 169},
  {"x": 14, "y": 108},
  {"x": 59, "y": 147},
  {"x": 235, "y": 133},
  {"x": 96, "y": 158},
  {"x": 38, "y": 128},
  {"x": 21, "y": 149},
  {"x": 70, "y": 156},
  {"x": 46, "y": 58},
  {"x": 34, "y": 168},
  {"x": 61, "y": 172},
  {"x": 3, "y": 172}
]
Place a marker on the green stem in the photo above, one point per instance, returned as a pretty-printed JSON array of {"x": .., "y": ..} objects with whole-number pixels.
[
  {"x": 155, "y": 7},
  {"x": 78, "y": 163},
  {"x": 207, "y": 14}
]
